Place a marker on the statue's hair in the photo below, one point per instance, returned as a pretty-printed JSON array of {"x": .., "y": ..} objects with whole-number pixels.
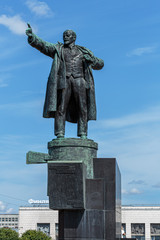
[{"x": 73, "y": 33}]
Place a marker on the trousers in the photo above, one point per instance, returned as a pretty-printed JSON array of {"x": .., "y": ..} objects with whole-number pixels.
[{"x": 77, "y": 87}]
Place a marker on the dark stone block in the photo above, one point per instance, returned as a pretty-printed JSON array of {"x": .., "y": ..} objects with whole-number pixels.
[
  {"x": 66, "y": 185},
  {"x": 78, "y": 224},
  {"x": 110, "y": 225},
  {"x": 104, "y": 168},
  {"x": 69, "y": 222},
  {"x": 110, "y": 199},
  {"x": 95, "y": 194},
  {"x": 107, "y": 169}
]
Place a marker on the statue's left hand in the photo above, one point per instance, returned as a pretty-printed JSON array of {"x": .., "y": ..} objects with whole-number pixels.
[{"x": 88, "y": 58}]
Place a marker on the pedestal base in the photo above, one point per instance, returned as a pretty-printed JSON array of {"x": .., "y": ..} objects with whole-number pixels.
[
  {"x": 74, "y": 149},
  {"x": 86, "y": 191},
  {"x": 100, "y": 216}
]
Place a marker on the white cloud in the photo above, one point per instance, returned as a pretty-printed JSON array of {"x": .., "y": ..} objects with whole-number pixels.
[
  {"x": 2, "y": 206},
  {"x": 132, "y": 191},
  {"x": 39, "y": 8},
  {"x": 15, "y": 24},
  {"x": 135, "y": 191},
  {"x": 141, "y": 51}
]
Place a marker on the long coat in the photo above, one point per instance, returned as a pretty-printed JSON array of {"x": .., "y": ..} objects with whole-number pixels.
[{"x": 57, "y": 79}]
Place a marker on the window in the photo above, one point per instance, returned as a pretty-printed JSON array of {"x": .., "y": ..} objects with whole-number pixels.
[
  {"x": 138, "y": 231},
  {"x": 155, "y": 237},
  {"x": 155, "y": 231},
  {"x": 44, "y": 227}
]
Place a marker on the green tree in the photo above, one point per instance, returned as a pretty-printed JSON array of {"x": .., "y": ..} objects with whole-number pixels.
[
  {"x": 8, "y": 234},
  {"x": 34, "y": 235}
]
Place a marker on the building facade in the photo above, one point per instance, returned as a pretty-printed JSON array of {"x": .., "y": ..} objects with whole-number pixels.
[
  {"x": 141, "y": 222},
  {"x": 9, "y": 221},
  {"x": 38, "y": 218}
]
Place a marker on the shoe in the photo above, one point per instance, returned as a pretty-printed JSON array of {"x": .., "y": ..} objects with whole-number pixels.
[
  {"x": 83, "y": 136},
  {"x": 60, "y": 136}
]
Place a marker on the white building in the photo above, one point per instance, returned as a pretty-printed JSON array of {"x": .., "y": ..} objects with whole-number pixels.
[
  {"x": 9, "y": 221},
  {"x": 38, "y": 218},
  {"x": 142, "y": 222}
]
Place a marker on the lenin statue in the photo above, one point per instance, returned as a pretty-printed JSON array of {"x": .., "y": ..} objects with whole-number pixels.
[{"x": 70, "y": 94}]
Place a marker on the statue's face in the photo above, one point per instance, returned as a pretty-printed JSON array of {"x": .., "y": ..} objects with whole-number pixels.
[{"x": 68, "y": 37}]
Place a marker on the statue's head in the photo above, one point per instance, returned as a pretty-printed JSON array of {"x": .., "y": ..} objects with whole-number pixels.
[{"x": 69, "y": 36}]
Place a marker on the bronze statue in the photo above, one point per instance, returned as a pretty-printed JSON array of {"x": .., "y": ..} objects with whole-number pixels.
[{"x": 70, "y": 94}]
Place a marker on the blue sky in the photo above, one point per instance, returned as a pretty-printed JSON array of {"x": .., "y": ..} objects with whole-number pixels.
[{"x": 125, "y": 34}]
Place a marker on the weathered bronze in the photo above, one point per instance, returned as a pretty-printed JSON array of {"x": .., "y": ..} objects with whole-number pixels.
[{"x": 70, "y": 94}]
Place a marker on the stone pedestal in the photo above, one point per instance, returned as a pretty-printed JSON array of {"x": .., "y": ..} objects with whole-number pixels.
[{"x": 86, "y": 190}]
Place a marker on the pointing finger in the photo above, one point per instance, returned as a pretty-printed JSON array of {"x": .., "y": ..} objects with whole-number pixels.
[{"x": 29, "y": 25}]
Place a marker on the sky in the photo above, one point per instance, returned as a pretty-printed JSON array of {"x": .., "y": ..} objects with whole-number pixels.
[{"x": 126, "y": 35}]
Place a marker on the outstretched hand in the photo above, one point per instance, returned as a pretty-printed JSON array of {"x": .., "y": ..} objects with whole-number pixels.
[{"x": 29, "y": 30}]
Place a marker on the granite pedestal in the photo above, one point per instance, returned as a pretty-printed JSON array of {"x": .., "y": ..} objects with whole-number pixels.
[{"x": 86, "y": 190}]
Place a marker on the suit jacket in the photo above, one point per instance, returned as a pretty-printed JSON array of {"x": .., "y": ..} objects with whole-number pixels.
[{"x": 57, "y": 79}]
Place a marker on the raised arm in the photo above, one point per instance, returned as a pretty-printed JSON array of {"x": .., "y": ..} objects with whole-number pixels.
[{"x": 36, "y": 42}]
